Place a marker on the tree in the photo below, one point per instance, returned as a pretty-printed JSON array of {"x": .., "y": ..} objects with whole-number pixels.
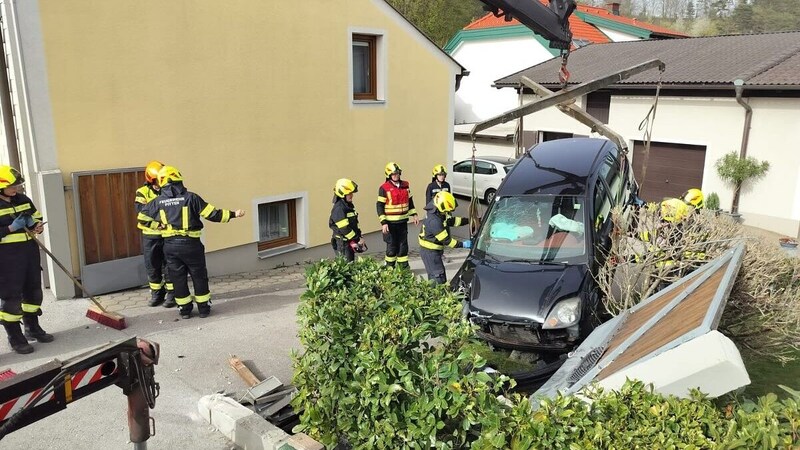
[
  {"x": 736, "y": 170},
  {"x": 690, "y": 12},
  {"x": 440, "y": 20}
]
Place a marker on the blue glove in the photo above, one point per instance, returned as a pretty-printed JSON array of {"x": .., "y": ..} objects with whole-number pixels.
[
  {"x": 29, "y": 221},
  {"x": 17, "y": 224},
  {"x": 467, "y": 243}
]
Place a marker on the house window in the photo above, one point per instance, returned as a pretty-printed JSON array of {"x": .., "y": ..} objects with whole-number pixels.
[
  {"x": 277, "y": 224},
  {"x": 598, "y": 104},
  {"x": 365, "y": 63}
]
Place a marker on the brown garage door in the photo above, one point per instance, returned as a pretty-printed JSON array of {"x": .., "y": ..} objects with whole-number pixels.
[{"x": 671, "y": 170}]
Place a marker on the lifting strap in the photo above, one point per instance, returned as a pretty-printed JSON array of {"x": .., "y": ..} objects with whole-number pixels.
[
  {"x": 646, "y": 125},
  {"x": 474, "y": 215}
]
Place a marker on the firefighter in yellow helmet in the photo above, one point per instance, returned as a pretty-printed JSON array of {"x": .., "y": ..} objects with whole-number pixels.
[
  {"x": 435, "y": 235},
  {"x": 694, "y": 197},
  {"x": 674, "y": 210},
  {"x": 437, "y": 184},
  {"x": 346, "y": 240},
  {"x": 395, "y": 207},
  {"x": 161, "y": 289},
  {"x": 179, "y": 211},
  {"x": 21, "y": 276}
]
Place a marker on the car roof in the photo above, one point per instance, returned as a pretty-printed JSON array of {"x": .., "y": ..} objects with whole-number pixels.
[
  {"x": 561, "y": 166},
  {"x": 496, "y": 159}
]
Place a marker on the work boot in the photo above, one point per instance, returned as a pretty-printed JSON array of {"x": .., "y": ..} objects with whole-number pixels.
[
  {"x": 16, "y": 339},
  {"x": 170, "y": 300},
  {"x": 186, "y": 311},
  {"x": 33, "y": 330},
  {"x": 204, "y": 309},
  {"x": 156, "y": 297}
]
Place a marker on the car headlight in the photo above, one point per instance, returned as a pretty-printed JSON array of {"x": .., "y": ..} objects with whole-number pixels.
[{"x": 564, "y": 314}]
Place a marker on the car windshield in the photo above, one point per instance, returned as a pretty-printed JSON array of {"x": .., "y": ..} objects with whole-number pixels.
[{"x": 535, "y": 228}]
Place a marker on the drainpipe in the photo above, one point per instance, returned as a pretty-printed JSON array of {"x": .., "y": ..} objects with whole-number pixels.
[{"x": 738, "y": 86}]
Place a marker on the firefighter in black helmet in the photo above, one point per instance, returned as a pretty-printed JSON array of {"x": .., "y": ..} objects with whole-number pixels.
[
  {"x": 347, "y": 238},
  {"x": 179, "y": 211},
  {"x": 21, "y": 277},
  {"x": 155, "y": 264}
]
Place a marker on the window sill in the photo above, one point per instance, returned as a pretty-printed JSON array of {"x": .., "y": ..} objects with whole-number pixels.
[
  {"x": 369, "y": 102},
  {"x": 264, "y": 254}
]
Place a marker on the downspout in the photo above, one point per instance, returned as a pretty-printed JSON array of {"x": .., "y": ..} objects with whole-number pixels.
[{"x": 738, "y": 86}]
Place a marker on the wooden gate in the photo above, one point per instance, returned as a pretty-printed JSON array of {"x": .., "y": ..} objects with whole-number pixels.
[{"x": 110, "y": 243}]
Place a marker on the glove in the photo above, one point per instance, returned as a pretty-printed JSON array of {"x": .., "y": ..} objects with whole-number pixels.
[
  {"x": 467, "y": 243},
  {"x": 17, "y": 224},
  {"x": 29, "y": 221}
]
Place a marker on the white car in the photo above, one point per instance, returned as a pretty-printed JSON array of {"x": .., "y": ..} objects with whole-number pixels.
[{"x": 489, "y": 173}]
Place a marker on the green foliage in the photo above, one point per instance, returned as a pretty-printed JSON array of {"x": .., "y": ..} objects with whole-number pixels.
[
  {"x": 383, "y": 365},
  {"x": 440, "y": 20},
  {"x": 735, "y": 170},
  {"x": 712, "y": 201}
]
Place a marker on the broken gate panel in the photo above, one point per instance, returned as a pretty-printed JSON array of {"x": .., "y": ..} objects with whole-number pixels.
[{"x": 669, "y": 339}]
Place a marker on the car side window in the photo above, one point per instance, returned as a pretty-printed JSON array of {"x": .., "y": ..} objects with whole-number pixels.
[
  {"x": 602, "y": 205},
  {"x": 610, "y": 173},
  {"x": 484, "y": 168},
  {"x": 463, "y": 167}
]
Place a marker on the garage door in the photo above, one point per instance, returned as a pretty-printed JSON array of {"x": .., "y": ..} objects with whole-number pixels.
[{"x": 671, "y": 170}]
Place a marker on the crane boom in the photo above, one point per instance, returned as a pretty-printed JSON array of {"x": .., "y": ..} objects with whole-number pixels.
[{"x": 551, "y": 22}]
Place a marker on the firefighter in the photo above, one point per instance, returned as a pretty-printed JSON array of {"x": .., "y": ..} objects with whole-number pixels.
[
  {"x": 693, "y": 197},
  {"x": 179, "y": 211},
  {"x": 435, "y": 235},
  {"x": 437, "y": 184},
  {"x": 20, "y": 278},
  {"x": 395, "y": 206},
  {"x": 161, "y": 288},
  {"x": 347, "y": 238}
]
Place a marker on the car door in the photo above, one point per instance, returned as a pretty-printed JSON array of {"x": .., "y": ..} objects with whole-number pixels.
[
  {"x": 460, "y": 180},
  {"x": 484, "y": 171}
]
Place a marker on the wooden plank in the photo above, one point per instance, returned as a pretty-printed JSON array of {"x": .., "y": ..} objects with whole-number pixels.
[
  {"x": 120, "y": 215},
  {"x": 132, "y": 183},
  {"x": 105, "y": 231},
  {"x": 85, "y": 192},
  {"x": 247, "y": 376}
]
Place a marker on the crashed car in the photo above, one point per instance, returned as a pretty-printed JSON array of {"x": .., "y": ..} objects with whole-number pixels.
[{"x": 529, "y": 280}]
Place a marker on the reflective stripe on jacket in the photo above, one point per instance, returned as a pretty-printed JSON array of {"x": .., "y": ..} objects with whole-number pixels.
[
  {"x": 145, "y": 195},
  {"x": 344, "y": 220},
  {"x": 435, "y": 234},
  {"x": 10, "y": 210},
  {"x": 395, "y": 203}
]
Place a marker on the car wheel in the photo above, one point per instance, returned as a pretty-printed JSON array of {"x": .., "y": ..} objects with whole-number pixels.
[{"x": 489, "y": 195}]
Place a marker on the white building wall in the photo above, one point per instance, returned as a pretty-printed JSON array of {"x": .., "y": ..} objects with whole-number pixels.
[
  {"x": 488, "y": 61},
  {"x": 617, "y": 36},
  {"x": 772, "y": 203}
]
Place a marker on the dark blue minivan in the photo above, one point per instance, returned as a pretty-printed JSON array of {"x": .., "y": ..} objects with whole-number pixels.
[{"x": 529, "y": 279}]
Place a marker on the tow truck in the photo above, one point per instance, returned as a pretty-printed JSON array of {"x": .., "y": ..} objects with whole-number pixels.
[{"x": 47, "y": 389}]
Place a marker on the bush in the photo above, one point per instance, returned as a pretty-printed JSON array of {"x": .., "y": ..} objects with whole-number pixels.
[
  {"x": 735, "y": 170},
  {"x": 712, "y": 201}
]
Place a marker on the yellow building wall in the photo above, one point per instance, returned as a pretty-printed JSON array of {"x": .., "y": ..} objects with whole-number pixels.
[{"x": 248, "y": 98}]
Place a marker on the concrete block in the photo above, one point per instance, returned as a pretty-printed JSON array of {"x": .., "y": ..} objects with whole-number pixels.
[
  {"x": 223, "y": 412},
  {"x": 302, "y": 441},
  {"x": 255, "y": 433}
]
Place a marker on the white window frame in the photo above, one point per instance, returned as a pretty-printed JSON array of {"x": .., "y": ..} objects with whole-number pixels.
[
  {"x": 381, "y": 66},
  {"x": 301, "y": 220}
]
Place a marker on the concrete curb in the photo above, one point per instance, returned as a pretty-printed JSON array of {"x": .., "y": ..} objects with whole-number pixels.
[{"x": 248, "y": 430}]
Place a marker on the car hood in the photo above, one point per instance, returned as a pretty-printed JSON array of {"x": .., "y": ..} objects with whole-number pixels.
[{"x": 520, "y": 292}]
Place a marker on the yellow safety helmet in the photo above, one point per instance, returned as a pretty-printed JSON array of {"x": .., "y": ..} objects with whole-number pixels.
[
  {"x": 168, "y": 174},
  {"x": 693, "y": 197},
  {"x": 10, "y": 176},
  {"x": 674, "y": 210},
  {"x": 439, "y": 169},
  {"x": 392, "y": 168},
  {"x": 151, "y": 171},
  {"x": 345, "y": 186},
  {"x": 444, "y": 201}
]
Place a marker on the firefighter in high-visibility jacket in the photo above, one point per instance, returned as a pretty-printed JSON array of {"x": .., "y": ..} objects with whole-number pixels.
[
  {"x": 435, "y": 235},
  {"x": 179, "y": 211},
  {"x": 21, "y": 276},
  {"x": 395, "y": 207},
  {"x": 155, "y": 264},
  {"x": 346, "y": 240}
]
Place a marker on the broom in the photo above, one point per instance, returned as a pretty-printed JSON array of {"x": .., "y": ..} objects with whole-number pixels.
[{"x": 96, "y": 311}]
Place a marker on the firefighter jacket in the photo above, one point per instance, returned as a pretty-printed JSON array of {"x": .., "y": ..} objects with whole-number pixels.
[
  {"x": 179, "y": 212},
  {"x": 395, "y": 203},
  {"x": 434, "y": 188},
  {"x": 344, "y": 220},
  {"x": 435, "y": 234},
  {"x": 145, "y": 195},
  {"x": 17, "y": 205}
]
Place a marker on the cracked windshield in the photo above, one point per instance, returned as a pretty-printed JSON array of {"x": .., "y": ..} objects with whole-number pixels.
[{"x": 535, "y": 228}]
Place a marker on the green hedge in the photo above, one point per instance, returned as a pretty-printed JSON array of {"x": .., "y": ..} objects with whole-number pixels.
[{"x": 385, "y": 366}]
